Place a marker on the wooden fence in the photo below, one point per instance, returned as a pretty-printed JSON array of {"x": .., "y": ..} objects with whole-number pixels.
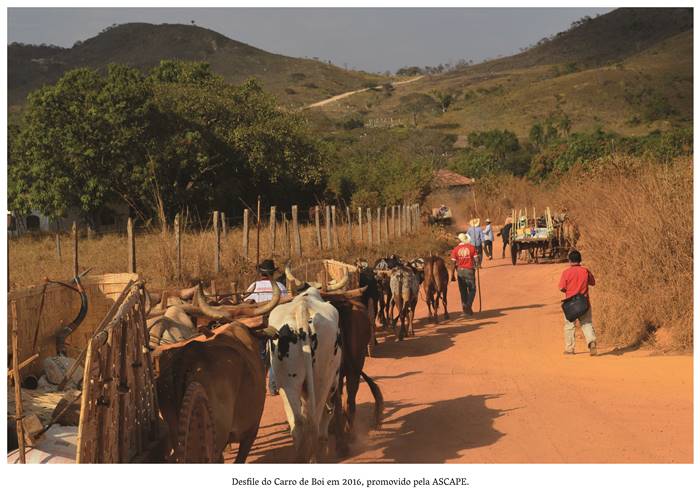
[{"x": 333, "y": 228}]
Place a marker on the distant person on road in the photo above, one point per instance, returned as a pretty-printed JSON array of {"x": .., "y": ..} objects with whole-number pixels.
[
  {"x": 505, "y": 235},
  {"x": 476, "y": 235},
  {"x": 488, "y": 240},
  {"x": 464, "y": 259},
  {"x": 575, "y": 281}
]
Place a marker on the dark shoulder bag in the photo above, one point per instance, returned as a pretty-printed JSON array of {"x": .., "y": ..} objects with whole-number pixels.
[{"x": 575, "y": 307}]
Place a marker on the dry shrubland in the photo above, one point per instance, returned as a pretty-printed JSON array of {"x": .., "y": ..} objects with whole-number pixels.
[
  {"x": 636, "y": 223},
  {"x": 34, "y": 258}
]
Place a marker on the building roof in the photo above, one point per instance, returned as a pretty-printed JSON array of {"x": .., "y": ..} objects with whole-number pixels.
[{"x": 444, "y": 178}]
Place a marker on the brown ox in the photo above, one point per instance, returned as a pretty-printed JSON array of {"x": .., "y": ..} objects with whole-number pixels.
[
  {"x": 435, "y": 285},
  {"x": 356, "y": 332},
  {"x": 211, "y": 388}
]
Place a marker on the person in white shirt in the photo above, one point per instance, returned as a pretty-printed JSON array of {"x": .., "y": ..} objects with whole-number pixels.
[
  {"x": 488, "y": 240},
  {"x": 261, "y": 290}
]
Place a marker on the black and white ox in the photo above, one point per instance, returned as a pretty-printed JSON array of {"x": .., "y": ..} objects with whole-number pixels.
[{"x": 305, "y": 358}]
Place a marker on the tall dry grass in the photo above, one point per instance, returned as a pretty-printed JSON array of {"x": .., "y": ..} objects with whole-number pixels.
[
  {"x": 34, "y": 258},
  {"x": 636, "y": 223}
]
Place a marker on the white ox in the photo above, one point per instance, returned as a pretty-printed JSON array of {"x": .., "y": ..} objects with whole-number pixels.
[{"x": 305, "y": 358}]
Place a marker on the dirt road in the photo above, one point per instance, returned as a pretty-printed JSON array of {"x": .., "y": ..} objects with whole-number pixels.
[
  {"x": 496, "y": 388},
  {"x": 335, "y": 98}
]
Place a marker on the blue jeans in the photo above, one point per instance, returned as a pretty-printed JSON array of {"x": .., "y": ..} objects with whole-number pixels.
[{"x": 467, "y": 287}]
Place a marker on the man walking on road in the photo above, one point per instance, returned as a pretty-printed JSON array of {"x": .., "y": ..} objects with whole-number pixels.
[
  {"x": 476, "y": 235},
  {"x": 575, "y": 281},
  {"x": 464, "y": 259},
  {"x": 505, "y": 235},
  {"x": 488, "y": 240}
]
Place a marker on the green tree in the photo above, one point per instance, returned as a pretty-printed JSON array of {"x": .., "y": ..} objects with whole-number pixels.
[{"x": 79, "y": 140}]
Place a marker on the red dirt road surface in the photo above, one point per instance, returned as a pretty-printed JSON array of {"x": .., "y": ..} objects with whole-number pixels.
[{"x": 496, "y": 388}]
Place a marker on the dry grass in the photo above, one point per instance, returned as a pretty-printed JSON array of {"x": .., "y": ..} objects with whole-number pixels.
[
  {"x": 34, "y": 258},
  {"x": 636, "y": 223}
]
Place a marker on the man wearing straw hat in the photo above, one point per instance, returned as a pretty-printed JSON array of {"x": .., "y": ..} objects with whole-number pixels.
[
  {"x": 488, "y": 240},
  {"x": 464, "y": 259},
  {"x": 261, "y": 290},
  {"x": 476, "y": 236}
]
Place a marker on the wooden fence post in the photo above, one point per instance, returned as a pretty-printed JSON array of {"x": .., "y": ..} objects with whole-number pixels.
[
  {"x": 131, "y": 246},
  {"x": 257, "y": 236},
  {"x": 348, "y": 220},
  {"x": 379, "y": 225},
  {"x": 74, "y": 234},
  {"x": 295, "y": 230},
  {"x": 224, "y": 226},
  {"x": 336, "y": 240},
  {"x": 329, "y": 240},
  {"x": 273, "y": 230},
  {"x": 393, "y": 221},
  {"x": 369, "y": 226},
  {"x": 386, "y": 223},
  {"x": 58, "y": 245},
  {"x": 359, "y": 224},
  {"x": 317, "y": 219},
  {"x": 246, "y": 230},
  {"x": 217, "y": 243},
  {"x": 178, "y": 249},
  {"x": 287, "y": 236}
]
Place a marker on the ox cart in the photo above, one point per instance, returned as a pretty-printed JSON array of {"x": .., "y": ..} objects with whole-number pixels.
[
  {"x": 441, "y": 216},
  {"x": 542, "y": 239},
  {"x": 113, "y": 407}
]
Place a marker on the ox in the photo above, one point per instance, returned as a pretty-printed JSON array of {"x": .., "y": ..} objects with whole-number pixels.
[
  {"x": 404, "y": 295},
  {"x": 226, "y": 365},
  {"x": 305, "y": 358},
  {"x": 435, "y": 285},
  {"x": 381, "y": 269}
]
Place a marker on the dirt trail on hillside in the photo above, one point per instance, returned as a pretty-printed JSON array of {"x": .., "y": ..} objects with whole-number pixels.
[
  {"x": 496, "y": 388},
  {"x": 347, "y": 94}
]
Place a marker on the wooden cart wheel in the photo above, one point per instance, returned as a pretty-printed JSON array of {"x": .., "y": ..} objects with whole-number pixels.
[
  {"x": 195, "y": 430},
  {"x": 514, "y": 249}
]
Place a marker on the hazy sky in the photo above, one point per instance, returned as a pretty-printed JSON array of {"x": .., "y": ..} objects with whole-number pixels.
[{"x": 368, "y": 39}]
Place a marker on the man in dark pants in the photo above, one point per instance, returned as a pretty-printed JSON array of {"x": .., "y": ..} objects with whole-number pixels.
[
  {"x": 464, "y": 259},
  {"x": 505, "y": 236}
]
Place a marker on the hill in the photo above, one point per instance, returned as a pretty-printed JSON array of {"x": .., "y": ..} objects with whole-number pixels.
[
  {"x": 629, "y": 71},
  {"x": 295, "y": 81}
]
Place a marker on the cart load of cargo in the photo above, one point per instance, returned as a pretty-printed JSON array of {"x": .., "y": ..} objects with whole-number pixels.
[{"x": 544, "y": 238}]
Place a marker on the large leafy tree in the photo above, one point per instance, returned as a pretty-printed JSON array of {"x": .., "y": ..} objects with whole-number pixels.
[
  {"x": 78, "y": 141},
  {"x": 178, "y": 138}
]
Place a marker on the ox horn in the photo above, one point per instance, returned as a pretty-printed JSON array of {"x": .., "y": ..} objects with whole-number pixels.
[
  {"x": 232, "y": 312},
  {"x": 290, "y": 277}
]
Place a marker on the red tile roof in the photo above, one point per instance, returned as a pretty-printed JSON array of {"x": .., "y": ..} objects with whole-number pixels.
[{"x": 444, "y": 178}]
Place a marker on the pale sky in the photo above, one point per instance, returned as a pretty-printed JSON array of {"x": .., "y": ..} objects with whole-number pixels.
[{"x": 367, "y": 39}]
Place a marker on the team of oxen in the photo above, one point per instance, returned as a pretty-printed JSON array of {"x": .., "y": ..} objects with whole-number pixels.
[{"x": 317, "y": 340}]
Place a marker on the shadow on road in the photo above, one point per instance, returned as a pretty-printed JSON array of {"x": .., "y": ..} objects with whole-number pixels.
[
  {"x": 494, "y": 313},
  {"x": 437, "y": 432}
]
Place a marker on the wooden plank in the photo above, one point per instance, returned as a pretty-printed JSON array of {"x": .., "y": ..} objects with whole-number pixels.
[
  {"x": 369, "y": 226},
  {"x": 178, "y": 248},
  {"x": 217, "y": 243},
  {"x": 246, "y": 232},
  {"x": 19, "y": 411},
  {"x": 336, "y": 241},
  {"x": 317, "y": 220},
  {"x": 359, "y": 223},
  {"x": 379, "y": 225},
  {"x": 74, "y": 234},
  {"x": 296, "y": 231},
  {"x": 273, "y": 230},
  {"x": 224, "y": 225},
  {"x": 385, "y": 225},
  {"x": 131, "y": 246},
  {"x": 348, "y": 222},
  {"x": 329, "y": 240},
  {"x": 58, "y": 246}
]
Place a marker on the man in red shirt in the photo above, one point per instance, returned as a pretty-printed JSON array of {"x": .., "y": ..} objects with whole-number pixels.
[
  {"x": 464, "y": 258},
  {"x": 574, "y": 281}
]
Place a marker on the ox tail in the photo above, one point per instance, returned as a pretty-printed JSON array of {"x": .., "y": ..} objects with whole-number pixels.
[
  {"x": 378, "y": 399},
  {"x": 303, "y": 319}
]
